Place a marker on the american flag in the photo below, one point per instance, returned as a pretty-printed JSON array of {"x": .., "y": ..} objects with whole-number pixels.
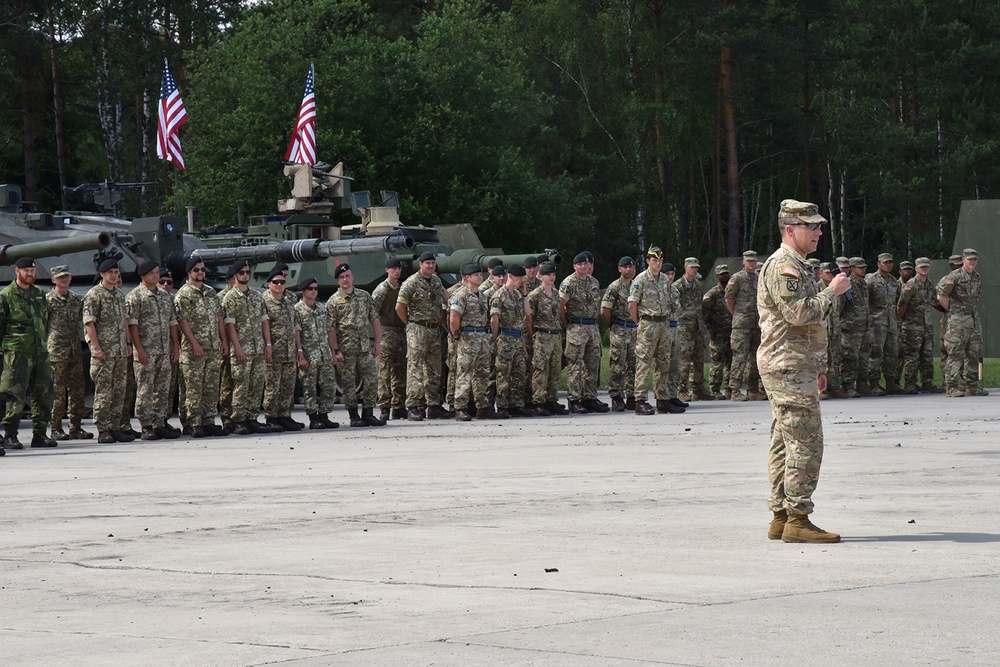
[
  {"x": 302, "y": 145},
  {"x": 171, "y": 116}
]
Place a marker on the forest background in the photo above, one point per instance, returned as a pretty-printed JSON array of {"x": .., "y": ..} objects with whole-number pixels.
[{"x": 577, "y": 124}]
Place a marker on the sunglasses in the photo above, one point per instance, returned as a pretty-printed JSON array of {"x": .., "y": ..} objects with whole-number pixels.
[
  {"x": 166, "y": 281},
  {"x": 811, "y": 226},
  {"x": 199, "y": 269},
  {"x": 311, "y": 288},
  {"x": 244, "y": 272},
  {"x": 278, "y": 282}
]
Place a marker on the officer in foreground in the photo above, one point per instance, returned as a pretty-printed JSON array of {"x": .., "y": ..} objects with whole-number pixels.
[{"x": 791, "y": 360}]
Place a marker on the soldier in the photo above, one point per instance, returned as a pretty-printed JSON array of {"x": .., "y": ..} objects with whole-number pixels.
[
  {"x": 23, "y": 331},
  {"x": 105, "y": 319},
  {"x": 176, "y": 381},
  {"x": 531, "y": 282},
  {"x": 691, "y": 334},
  {"x": 814, "y": 268},
  {"x": 622, "y": 333},
  {"x": 319, "y": 381},
  {"x": 392, "y": 360},
  {"x": 467, "y": 319},
  {"x": 674, "y": 346},
  {"x": 741, "y": 299},
  {"x": 286, "y": 354},
  {"x": 579, "y": 306},
  {"x": 453, "y": 347},
  {"x": 249, "y": 336},
  {"x": 352, "y": 321},
  {"x": 959, "y": 295},
  {"x": 906, "y": 272},
  {"x": 510, "y": 316},
  {"x": 954, "y": 262},
  {"x": 65, "y": 309},
  {"x": 883, "y": 293},
  {"x": 204, "y": 344},
  {"x": 917, "y": 340},
  {"x": 419, "y": 306},
  {"x": 854, "y": 334},
  {"x": 719, "y": 322},
  {"x": 649, "y": 307},
  {"x": 226, "y": 384},
  {"x": 792, "y": 359},
  {"x": 827, "y": 272},
  {"x": 546, "y": 366},
  {"x": 498, "y": 278}
]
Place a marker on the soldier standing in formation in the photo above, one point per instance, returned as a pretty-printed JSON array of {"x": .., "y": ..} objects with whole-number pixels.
[
  {"x": 741, "y": 299},
  {"x": 792, "y": 359},
  {"x": 65, "y": 356},
  {"x": 621, "y": 334},
  {"x": 352, "y": 319},
  {"x": 691, "y": 334},
  {"x": 226, "y": 375},
  {"x": 917, "y": 340},
  {"x": 959, "y": 296},
  {"x": 153, "y": 331},
  {"x": 674, "y": 346},
  {"x": 419, "y": 305},
  {"x": 468, "y": 318},
  {"x": 510, "y": 317},
  {"x": 176, "y": 381},
  {"x": 319, "y": 381},
  {"x": 105, "y": 319},
  {"x": 719, "y": 322},
  {"x": 392, "y": 360},
  {"x": 286, "y": 354},
  {"x": 832, "y": 336},
  {"x": 954, "y": 262},
  {"x": 883, "y": 294},
  {"x": 546, "y": 364},
  {"x": 649, "y": 307},
  {"x": 531, "y": 282},
  {"x": 854, "y": 334},
  {"x": 580, "y": 299}
]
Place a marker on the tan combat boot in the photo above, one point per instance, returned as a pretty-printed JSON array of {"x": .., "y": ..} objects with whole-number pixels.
[
  {"x": 955, "y": 392},
  {"x": 756, "y": 396},
  {"x": 700, "y": 394},
  {"x": 684, "y": 396},
  {"x": 975, "y": 391},
  {"x": 798, "y": 528},
  {"x": 719, "y": 396},
  {"x": 738, "y": 396},
  {"x": 777, "y": 527}
]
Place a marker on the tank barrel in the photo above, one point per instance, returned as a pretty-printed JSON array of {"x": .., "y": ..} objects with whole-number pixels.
[
  {"x": 307, "y": 250},
  {"x": 453, "y": 262},
  {"x": 65, "y": 246}
]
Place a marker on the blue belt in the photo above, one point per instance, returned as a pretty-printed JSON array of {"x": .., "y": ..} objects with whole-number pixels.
[
  {"x": 582, "y": 320},
  {"x": 549, "y": 331},
  {"x": 628, "y": 324},
  {"x": 511, "y": 333},
  {"x": 473, "y": 329}
]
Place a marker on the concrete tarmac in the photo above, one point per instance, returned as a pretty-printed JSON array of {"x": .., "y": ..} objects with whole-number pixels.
[{"x": 590, "y": 540}]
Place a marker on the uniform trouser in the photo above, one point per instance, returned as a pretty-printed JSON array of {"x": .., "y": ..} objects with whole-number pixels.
[
  {"x": 201, "y": 387},
  {"x": 529, "y": 353},
  {"x": 674, "y": 352},
  {"x": 851, "y": 341},
  {"x": 864, "y": 355},
  {"x": 884, "y": 352},
  {"x": 471, "y": 369},
  {"x": 546, "y": 367},
  {"x": 128, "y": 410},
  {"x": 917, "y": 354},
  {"x": 226, "y": 392},
  {"x": 583, "y": 361},
  {"x": 109, "y": 392},
  {"x": 21, "y": 372},
  {"x": 392, "y": 368},
  {"x": 944, "y": 334},
  {"x": 796, "y": 440},
  {"x": 692, "y": 343},
  {"x": 279, "y": 388},
  {"x": 152, "y": 388},
  {"x": 720, "y": 349},
  {"x": 319, "y": 387},
  {"x": 67, "y": 381},
  {"x": 510, "y": 372},
  {"x": 452, "y": 372},
  {"x": 964, "y": 343},
  {"x": 248, "y": 386},
  {"x": 833, "y": 355},
  {"x": 621, "y": 378},
  {"x": 423, "y": 367},
  {"x": 653, "y": 344},
  {"x": 744, "y": 369},
  {"x": 360, "y": 367}
]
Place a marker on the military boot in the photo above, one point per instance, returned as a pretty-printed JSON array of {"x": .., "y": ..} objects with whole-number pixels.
[
  {"x": 462, "y": 416},
  {"x": 58, "y": 434},
  {"x": 76, "y": 431},
  {"x": 738, "y": 396},
  {"x": 557, "y": 408},
  {"x": 149, "y": 433},
  {"x": 103, "y": 437},
  {"x": 39, "y": 439},
  {"x": 595, "y": 405},
  {"x": 290, "y": 424},
  {"x": 578, "y": 408},
  {"x": 701, "y": 395},
  {"x": 415, "y": 414},
  {"x": 877, "y": 389},
  {"x": 501, "y": 413},
  {"x": 241, "y": 428},
  {"x": 437, "y": 412},
  {"x": 851, "y": 393},
  {"x": 644, "y": 408},
  {"x": 326, "y": 421},
  {"x": 355, "y": 417},
  {"x": 275, "y": 425},
  {"x": 728, "y": 393},
  {"x": 369, "y": 418},
  {"x": 893, "y": 389},
  {"x": 684, "y": 397},
  {"x": 929, "y": 388},
  {"x": 122, "y": 436},
  {"x": 777, "y": 527},
  {"x": 678, "y": 403},
  {"x": 756, "y": 396},
  {"x": 384, "y": 414},
  {"x": 971, "y": 390},
  {"x": 542, "y": 411},
  {"x": 863, "y": 390},
  {"x": 669, "y": 407},
  {"x": 315, "y": 423},
  {"x": 399, "y": 413},
  {"x": 617, "y": 404},
  {"x": 798, "y": 528},
  {"x": 485, "y": 413},
  {"x": 718, "y": 395},
  {"x": 955, "y": 392},
  {"x": 630, "y": 403}
]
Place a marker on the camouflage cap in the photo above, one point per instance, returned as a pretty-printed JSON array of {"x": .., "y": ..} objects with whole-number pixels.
[
  {"x": 58, "y": 271},
  {"x": 885, "y": 257},
  {"x": 654, "y": 251},
  {"x": 813, "y": 262},
  {"x": 720, "y": 269},
  {"x": 800, "y": 210},
  {"x": 970, "y": 253},
  {"x": 905, "y": 264},
  {"x": 691, "y": 261},
  {"x": 750, "y": 255},
  {"x": 955, "y": 259},
  {"x": 858, "y": 263},
  {"x": 843, "y": 262},
  {"x": 827, "y": 267},
  {"x": 923, "y": 261}
]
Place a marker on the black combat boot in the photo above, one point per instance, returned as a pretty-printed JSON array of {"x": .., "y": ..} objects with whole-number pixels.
[
  {"x": 462, "y": 416},
  {"x": 369, "y": 418},
  {"x": 437, "y": 412},
  {"x": 399, "y": 413},
  {"x": 39, "y": 439},
  {"x": 314, "y": 422},
  {"x": 355, "y": 417},
  {"x": 122, "y": 436},
  {"x": 644, "y": 408},
  {"x": 149, "y": 433},
  {"x": 242, "y": 429},
  {"x": 10, "y": 441},
  {"x": 384, "y": 414},
  {"x": 290, "y": 424},
  {"x": 617, "y": 404},
  {"x": 326, "y": 421},
  {"x": 556, "y": 408}
]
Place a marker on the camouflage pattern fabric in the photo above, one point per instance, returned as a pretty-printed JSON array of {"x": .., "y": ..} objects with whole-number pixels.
[
  {"x": 546, "y": 362},
  {"x": 917, "y": 333},
  {"x": 621, "y": 336},
  {"x": 106, "y": 310},
  {"x": 319, "y": 382},
  {"x": 392, "y": 360},
  {"x": 109, "y": 376},
  {"x": 202, "y": 310},
  {"x": 23, "y": 372},
  {"x": 854, "y": 335},
  {"x": 248, "y": 377},
  {"x": 964, "y": 337},
  {"x": 69, "y": 389},
  {"x": 281, "y": 319},
  {"x": 944, "y": 325},
  {"x": 279, "y": 388},
  {"x": 152, "y": 388},
  {"x": 742, "y": 289},
  {"x": 654, "y": 344},
  {"x": 24, "y": 319},
  {"x": 833, "y": 343},
  {"x": 510, "y": 360},
  {"x": 470, "y": 357},
  {"x": 673, "y": 344},
  {"x": 691, "y": 334},
  {"x": 65, "y": 357},
  {"x": 745, "y": 338},
  {"x": 359, "y": 368},
  {"x": 245, "y": 310},
  {"x": 201, "y": 382},
  {"x": 352, "y": 316},
  {"x": 423, "y": 299},
  {"x": 883, "y": 293},
  {"x": 153, "y": 315},
  {"x": 583, "y": 341},
  {"x": 719, "y": 322}
]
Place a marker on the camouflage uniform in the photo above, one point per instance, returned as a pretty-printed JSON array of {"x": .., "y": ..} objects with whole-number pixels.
[
  {"x": 791, "y": 356},
  {"x": 472, "y": 362},
  {"x": 621, "y": 378},
  {"x": 691, "y": 335},
  {"x": 106, "y": 309},
  {"x": 529, "y": 345},
  {"x": 24, "y": 321},
  {"x": 719, "y": 321},
  {"x": 833, "y": 346},
  {"x": 453, "y": 351},
  {"x": 392, "y": 358},
  {"x": 279, "y": 375},
  {"x": 917, "y": 341},
  {"x": 66, "y": 357},
  {"x": 352, "y": 316},
  {"x": 854, "y": 336},
  {"x": 151, "y": 312},
  {"x": 883, "y": 293},
  {"x": 226, "y": 374},
  {"x": 654, "y": 338},
  {"x": 546, "y": 364},
  {"x": 583, "y": 337},
  {"x": 176, "y": 381},
  {"x": 673, "y": 344},
  {"x": 246, "y": 312},
  {"x": 964, "y": 338},
  {"x": 319, "y": 381},
  {"x": 745, "y": 339},
  {"x": 423, "y": 299},
  {"x": 510, "y": 364},
  {"x": 944, "y": 325},
  {"x": 202, "y": 375}
]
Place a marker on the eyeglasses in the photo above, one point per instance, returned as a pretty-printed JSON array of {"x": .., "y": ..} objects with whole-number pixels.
[
  {"x": 199, "y": 269},
  {"x": 311, "y": 288},
  {"x": 811, "y": 226},
  {"x": 244, "y": 272},
  {"x": 166, "y": 281},
  {"x": 278, "y": 282}
]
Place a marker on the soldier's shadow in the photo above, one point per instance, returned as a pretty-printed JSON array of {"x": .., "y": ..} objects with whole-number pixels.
[{"x": 966, "y": 538}]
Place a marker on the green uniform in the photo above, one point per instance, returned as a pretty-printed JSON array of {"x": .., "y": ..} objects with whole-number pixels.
[
  {"x": 546, "y": 363},
  {"x": 622, "y": 338},
  {"x": 745, "y": 338},
  {"x": 472, "y": 349},
  {"x": 66, "y": 357},
  {"x": 153, "y": 315},
  {"x": 583, "y": 337},
  {"x": 392, "y": 359},
  {"x": 510, "y": 360},
  {"x": 279, "y": 376},
  {"x": 319, "y": 381},
  {"x": 917, "y": 340},
  {"x": 691, "y": 335},
  {"x": 201, "y": 309},
  {"x": 424, "y": 302},
  {"x": 964, "y": 338},
  {"x": 245, "y": 311},
  {"x": 652, "y": 295},
  {"x": 883, "y": 293},
  {"x": 106, "y": 310},
  {"x": 24, "y": 322},
  {"x": 352, "y": 316},
  {"x": 719, "y": 321}
]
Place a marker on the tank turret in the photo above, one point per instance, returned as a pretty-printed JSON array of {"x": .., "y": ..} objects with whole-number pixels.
[
  {"x": 12, "y": 252},
  {"x": 453, "y": 263}
]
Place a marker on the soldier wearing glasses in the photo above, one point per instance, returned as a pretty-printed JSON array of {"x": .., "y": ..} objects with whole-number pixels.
[{"x": 286, "y": 354}]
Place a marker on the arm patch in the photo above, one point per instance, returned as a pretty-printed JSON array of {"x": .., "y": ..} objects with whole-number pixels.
[{"x": 790, "y": 272}]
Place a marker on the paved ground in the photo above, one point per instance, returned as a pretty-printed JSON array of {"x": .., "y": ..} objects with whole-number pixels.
[{"x": 596, "y": 540}]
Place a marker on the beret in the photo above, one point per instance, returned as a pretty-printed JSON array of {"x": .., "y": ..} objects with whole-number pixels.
[
  {"x": 306, "y": 282},
  {"x": 276, "y": 272},
  {"x": 530, "y": 262},
  {"x": 470, "y": 268},
  {"x": 547, "y": 268},
  {"x": 146, "y": 267},
  {"x": 667, "y": 267},
  {"x": 281, "y": 266},
  {"x": 394, "y": 263},
  {"x": 582, "y": 257},
  {"x": 61, "y": 270},
  {"x": 237, "y": 265},
  {"x": 24, "y": 263},
  {"x": 164, "y": 271},
  {"x": 499, "y": 270},
  {"x": 427, "y": 255},
  {"x": 516, "y": 270},
  {"x": 341, "y": 270},
  {"x": 107, "y": 265},
  {"x": 192, "y": 262},
  {"x": 626, "y": 261}
]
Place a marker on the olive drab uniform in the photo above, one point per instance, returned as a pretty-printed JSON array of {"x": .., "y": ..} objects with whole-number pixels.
[
  {"x": 453, "y": 350},
  {"x": 583, "y": 337},
  {"x": 883, "y": 293},
  {"x": 833, "y": 346},
  {"x": 106, "y": 309},
  {"x": 546, "y": 364},
  {"x": 674, "y": 376},
  {"x": 471, "y": 368},
  {"x": 622, "y": 336},
  {"x": 424, "y": 301},
  {"x": 392, "y": 359},
  {"x": 279, "y": 375},
  {"x": 246, "y": 312},
  {"x": 791, "y": 357},
  {"x": 529, "y": 346},
  {"x": 319, "y": 381},
  {"x": 510, "y": 360},
  {"x": 719, "y": 322},
  {"x": 964, "y": 337},
  {"x": 226, "y": 373},
  {"x": 745, "y": 339},
  {"x": 66, "y": 357},
  {"x": 653, "y": 295},
  {"x": 853, "y": 336},
  {"x": 151, "y": 312},
  {"x": 352, "y": 316},
  {"x": 691, "y": 335},
  {"x": 917, "y": 339},
  {"x": 202, "y": 375},
  {"x": 24, "y": 322}
]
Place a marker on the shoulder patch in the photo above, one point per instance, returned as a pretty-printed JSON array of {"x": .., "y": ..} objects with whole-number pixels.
[{"x": 790, "y": 271}]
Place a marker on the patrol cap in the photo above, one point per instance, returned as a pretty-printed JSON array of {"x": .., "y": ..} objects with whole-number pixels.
[
  {"x": 813, "y": 263},
  {"x": 906, "y": 264},
  {"x": 106, "y": 265},
  {"x": 922, "y": 261},
  {"x": 306, "y": 282},
  {"x": 859, "y": 263},
  {"x": 827, "y": 267},
  {"x": 61, "y": 270},
  {"x": 516, "y": 270},
  {"x": 799, "y": 210},
  {"x": 547, "y": 268},
  {"x": 626, "y": 261},
  {"x": 146, "y": 267},
  {"x": 427, "y": 256},
  {"x": 24, "y": 263},
  {"x": 340, "y": 270},
  {"x": 394, "y": 263},
  {"x": 843, "y": 262},
  {"x": 192, "y": 262},
  {"x": 667, "y": 267},
  {"x": 276, "y": 273},
  {"x": 720, "y": 269},
  {"x": 583, "y": 257},
  {"x": 955, "y": 259},
  {"x": 654, "y": 251},
  {"x": 885, "y": 257},
  {"x": 970, "y": 253},
  {"x": 499, "y": 270},
  {"x": 691, "y": 261},
  {"x": 470, "y": 268},
  {"x": 750, "y": 255},
  {"x": 530, "y": 262}
]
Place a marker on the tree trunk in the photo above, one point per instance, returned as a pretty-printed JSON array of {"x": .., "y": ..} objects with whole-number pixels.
[
  {"x": 57, "y": 106},
  {"x": 28, "y": 67},
  {"x": 109, "y": 105},
  {"x": 732, "y": 164}
]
